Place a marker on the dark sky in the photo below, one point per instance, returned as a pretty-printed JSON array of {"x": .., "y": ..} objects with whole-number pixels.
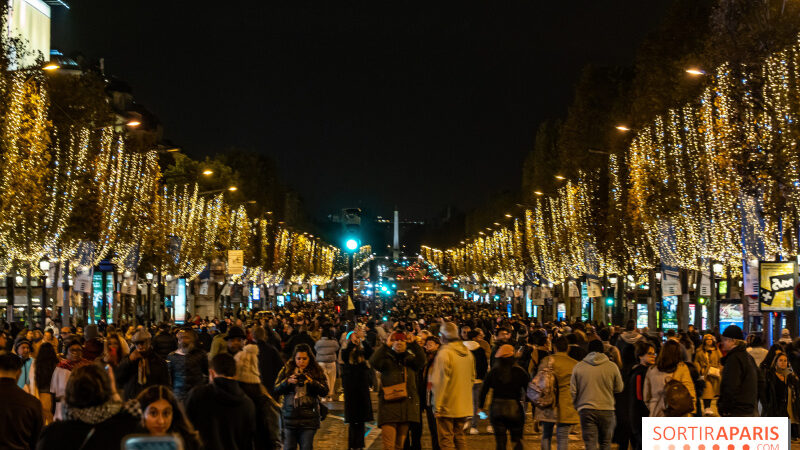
[{"x": 422, "y": 104}]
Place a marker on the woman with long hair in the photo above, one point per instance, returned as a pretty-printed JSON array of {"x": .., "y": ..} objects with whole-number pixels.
[
  {"x": 41, "y": 375},
  {"x": 707, "y": 361},
  {"x": 162, "y": 414},
  {"x": 302, "y": 383},
  {"x": 115, "y": 348},
  {"x": 669, "y": 366}
]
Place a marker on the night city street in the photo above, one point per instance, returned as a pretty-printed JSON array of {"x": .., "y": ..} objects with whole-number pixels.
[{"x": 400, "y": 225}]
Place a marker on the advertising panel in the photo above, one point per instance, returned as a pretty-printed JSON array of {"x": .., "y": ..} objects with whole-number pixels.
[
  {"x": 731, "y": 314},
  {"x": 776, "y": 285},
  {"x": 180, "y": 301}
]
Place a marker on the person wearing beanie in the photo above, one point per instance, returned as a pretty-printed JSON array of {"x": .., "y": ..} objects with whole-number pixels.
[
  {"x": 741, "y": 380},
  {"x": 508, "y": 381},
  {"x": 22, "y": 348},
  {"x": 452, "y": 378},
  {"x": 188, "y": 365},
  {"x": 267, "y": 419},
  {"x": 141, "y": 368}
]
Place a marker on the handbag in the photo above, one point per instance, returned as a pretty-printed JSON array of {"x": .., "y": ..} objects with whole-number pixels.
[{"x": 396, "y": 391}]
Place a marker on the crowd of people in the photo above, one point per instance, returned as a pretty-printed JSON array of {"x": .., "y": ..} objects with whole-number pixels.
[{"x": 266, "y": 379}]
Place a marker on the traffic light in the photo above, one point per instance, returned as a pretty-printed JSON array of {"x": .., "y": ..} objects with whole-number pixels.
[
  {"x": 701, "y": 300},
  {"x": 351, "y": 244},
  {"x": 609, "y": 301}
]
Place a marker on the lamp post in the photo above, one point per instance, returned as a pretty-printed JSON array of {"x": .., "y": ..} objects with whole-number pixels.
[
  {"x": 149, "y": 277},
  {"x": 352, "y": 246},
  {"x": 44, "y": 266}
]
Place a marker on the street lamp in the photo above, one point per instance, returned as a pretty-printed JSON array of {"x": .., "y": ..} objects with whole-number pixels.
[
  {"x": 695, "y": 72},
  {"x": 133, "y": 123},
  {"x": 51, "y": 66},
  {"x": 149, "y": 277},
  {"x": 539, "y": 193},
  {"x": 561, "y": 177},
  {"x": 44, "y": 266},
  {"x": 623, "y": 128},
  {"x": 208, "y": 172}
]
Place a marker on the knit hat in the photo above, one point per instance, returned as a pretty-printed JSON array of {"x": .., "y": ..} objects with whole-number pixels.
[
  {"x": 733, "y": 332},
  {"x": 141, "y": 335},
  {"x": 21, "y": 341},
  {"x": 90, "y": 332},
  {"x": 449, "y": 331},
  {"x": 504, "y": 351},
  {"x": 247, "y": 365}
]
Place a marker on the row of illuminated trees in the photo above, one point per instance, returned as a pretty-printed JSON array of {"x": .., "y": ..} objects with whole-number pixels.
[
  {"x": 714, "y": 180},
  {"x": 76, "y": 194}
]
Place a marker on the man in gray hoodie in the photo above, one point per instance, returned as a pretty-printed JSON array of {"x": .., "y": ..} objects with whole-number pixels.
[{"x": 594, "y": 382}]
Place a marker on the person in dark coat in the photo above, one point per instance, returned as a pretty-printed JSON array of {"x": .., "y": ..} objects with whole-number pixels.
[
  {"x": 221, "y": 411},
  {"x": 21, "y": 417},
  {"x": 204, "y": 339},
  {"x": 302, "y": 383},
  {"x": 400, "y": 358},
  {"x": 188, "y": 365},
  {"x": 141, "y": 368},
  {"x": 740, "y": 385},
  {"x": 164, "y": 343},
  {"x": 269, "y": 360},
  {"x": 95, "y": 420},
  {"x": 356, "y": 381},
  {"x": 634, "y": 390},
  {"x": 782, "y": 390},
  {"x": 301, "y": 337}
]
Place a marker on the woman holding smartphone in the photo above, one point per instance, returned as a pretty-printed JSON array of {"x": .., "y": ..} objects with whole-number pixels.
[{"x": 302, "y": 383}]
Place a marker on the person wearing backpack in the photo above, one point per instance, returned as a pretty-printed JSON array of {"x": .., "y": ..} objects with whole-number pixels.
[
  {"x": 594, "y": 382},
  {"x": 560, "y": 414},
  {"x": 508, "y": 382},
  {"x": 668, "y": 386}
]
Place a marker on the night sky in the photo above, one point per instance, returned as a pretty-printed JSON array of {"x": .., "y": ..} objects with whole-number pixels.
[{"x": 422, "y": 104}]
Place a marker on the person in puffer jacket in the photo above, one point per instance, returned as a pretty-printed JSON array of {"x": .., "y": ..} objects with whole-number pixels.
[
  {"x": 301, "y": 383},
  {"x": 327, "y": 348}
]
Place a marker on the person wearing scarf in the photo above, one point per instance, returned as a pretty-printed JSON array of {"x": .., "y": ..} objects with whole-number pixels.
[
  {"x": 58, "y": 384},
  {"x": 95, "y": 417},
  {"x": 141, "y": 368}
]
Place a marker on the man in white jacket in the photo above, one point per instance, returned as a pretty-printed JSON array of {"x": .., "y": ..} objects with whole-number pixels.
[{"x": 452, "y": 377}]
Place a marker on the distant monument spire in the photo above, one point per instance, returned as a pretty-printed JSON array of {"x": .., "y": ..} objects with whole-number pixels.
[{"x": 396, "y": 248}]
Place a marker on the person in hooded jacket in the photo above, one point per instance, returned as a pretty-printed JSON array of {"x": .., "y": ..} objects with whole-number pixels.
[
  {"x": 508, "y": 381},
  {"x": 452, "y": 378},
  {"x": 221, "y": 411},
  {"x": 302, "y": 384},
  {"x": 629, "y": 337},
  {"x": 707, "y": 361},
  {"x": 398, "y": 361},
  {"x": 595, "y": 380},
  {"x": 481, "y": 367},
  {"x": 637, "y": 407}
]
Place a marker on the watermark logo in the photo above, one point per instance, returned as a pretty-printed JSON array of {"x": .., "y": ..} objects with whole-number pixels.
[{"x": 715, "y": 433}]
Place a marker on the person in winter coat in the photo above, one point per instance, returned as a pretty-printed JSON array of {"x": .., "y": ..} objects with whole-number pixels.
[
  {"x": 481, "y": 367},
  {"x": 563, "y": 414},
  {"x": 162, "y": 414},
  {"x": 508, "y": 381},
  {"x": 755, "y": 348},
  {"x": 269, "y": 360},
  {"x": 637, "y": 407},
  {"x": 595, "y": 380},
  {"x": 356, "y": 381},
  {"x": 268, "y": 427},
  {"x": 629, "y": 337},
  {"x": 58, "y": 384},
  {"x": 302, "y": 384},
  {"x": 782, "y": 391},
  {"x": 23, "y": 349},
  {"x": 326, "y": 350},
  {"x": 141, "y": 368},
  {"x": 188, "y": 365},
  {"x": 96, "y": 421},
  {"x": 398, "y": 361},
  {"x": 220, "y": 410},
  {"x": 740, "y": 384},
  {"x": 300, "y": 337},
  {"x": 452, "y": 378},
  {"x": 669, "y": 366},
  {"x": 21, "y": 414},
  {"x": 432, "y": 345},
  {"x": 164, "y": 343},
  {"x": 707, "y": 361}
]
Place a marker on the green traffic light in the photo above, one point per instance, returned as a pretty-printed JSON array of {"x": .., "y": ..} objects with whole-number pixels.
[
  {"x": 351, "y": 244},
  {"x": 701, "y": 300},
  {"x": 610, "y": 301}
]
